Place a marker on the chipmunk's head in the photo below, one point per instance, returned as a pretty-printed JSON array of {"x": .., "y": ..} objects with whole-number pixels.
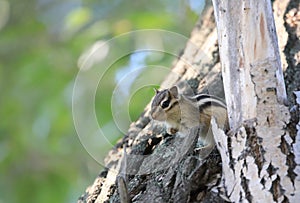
[{"x": 165, "y": 105}]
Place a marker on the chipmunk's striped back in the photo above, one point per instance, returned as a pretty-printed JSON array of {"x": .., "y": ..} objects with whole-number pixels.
[{"x": 204, "y": 100}]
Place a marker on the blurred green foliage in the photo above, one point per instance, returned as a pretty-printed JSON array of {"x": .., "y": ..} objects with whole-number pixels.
[{"x": 41, "y": 158}]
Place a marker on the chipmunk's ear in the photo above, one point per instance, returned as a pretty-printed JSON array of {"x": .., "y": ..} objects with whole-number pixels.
[
  {"x": 156, "y": 90},
  {"x": 174, "y": 91}
]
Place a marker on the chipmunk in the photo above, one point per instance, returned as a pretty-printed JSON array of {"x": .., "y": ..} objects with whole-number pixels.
[{"x": 181, "y": 113}]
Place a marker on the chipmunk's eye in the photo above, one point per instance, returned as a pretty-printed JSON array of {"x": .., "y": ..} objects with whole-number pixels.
[{"x": 165, "y": 104}]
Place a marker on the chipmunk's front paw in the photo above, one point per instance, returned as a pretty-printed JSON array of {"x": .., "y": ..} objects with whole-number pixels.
[{"x": 172, "y": 131}]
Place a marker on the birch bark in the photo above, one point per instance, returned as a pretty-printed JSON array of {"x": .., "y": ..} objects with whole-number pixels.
[{"x": 255, "y": 155}]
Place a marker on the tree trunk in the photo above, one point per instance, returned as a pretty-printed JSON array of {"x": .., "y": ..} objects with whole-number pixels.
[
  {"x": 255, "y": 156},
  {"x": 259, "y": 159}
]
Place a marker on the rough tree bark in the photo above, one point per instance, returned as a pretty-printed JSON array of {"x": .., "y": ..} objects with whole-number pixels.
[
  {"x": 252, "y": 165},
  {"x": 255, "y": 158}
]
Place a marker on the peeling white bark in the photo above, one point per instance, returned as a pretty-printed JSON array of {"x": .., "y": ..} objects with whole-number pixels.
[
  {"x": 255, "y": 159},
  {"x": 247, "y": 35},
  {"x": 296, "y": 145}
]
